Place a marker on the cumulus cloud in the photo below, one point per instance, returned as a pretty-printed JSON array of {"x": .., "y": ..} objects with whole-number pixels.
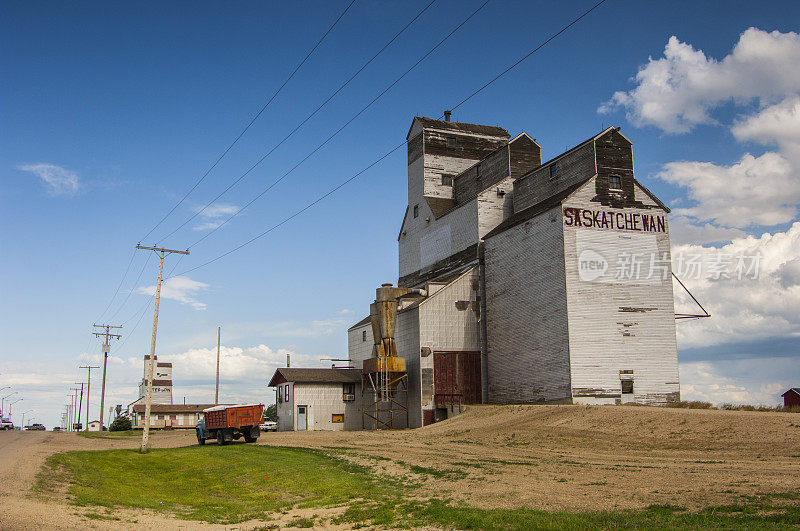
[
  {"x": 753, "y": 191},
  {"x": 214, "y": 215},
  {"x": 57, "y": 180},
  {"x": 682, "y": 89},
  {"x": 244, "y": 372},
  {"x": 677, "y": 92},
  {"x": 751, "y": 287},
  {"x": 181, "y": 289},
  {"x": 238, "y": 364},
  {"x": 778, "y": 124}
]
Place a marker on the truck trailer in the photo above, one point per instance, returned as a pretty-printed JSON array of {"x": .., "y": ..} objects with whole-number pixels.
[{"x": 226, "y": 423}]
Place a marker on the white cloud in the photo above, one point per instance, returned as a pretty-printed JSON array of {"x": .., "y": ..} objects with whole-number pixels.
[
  {"x": 778, "y": 124},
  {"x": 181, "y": 289},
  {"x": 678, "y": 91},
  {"x": 753, "y": 191},
  {"x": 746, "y": 381},
  {"x": 251, "y": 364},
  {"x": 345, "y": 311},
  {"x": 742, "y": 309},
  {"x": 683, "y": 230},
  {"x": 57, "y": 180},
  {"x": 214, "y": 214}
]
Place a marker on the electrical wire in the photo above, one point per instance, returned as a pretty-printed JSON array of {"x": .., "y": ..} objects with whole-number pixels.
[
  {"x": 135, "y": 282},
  {"x": 124, "y": 276},
  {"x": 524, "y": 57},
  {"x": 384, "y": 156},
  {"x": 332, "y": 136},
  {"x": 307, "y": 118},
  {"x": 287, "y": 219},
  {"x": 141, "y": 312},
  {"x": 258, "y": 114}
]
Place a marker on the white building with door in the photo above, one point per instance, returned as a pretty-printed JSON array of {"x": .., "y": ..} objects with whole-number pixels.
[{"x": 317, "y": 399}]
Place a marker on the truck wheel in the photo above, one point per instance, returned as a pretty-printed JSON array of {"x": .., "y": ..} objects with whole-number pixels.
[
  {"x": 221, "y": 438},
  {"x": 200, "y": 440},
  {"x": 250, "y": 439}
]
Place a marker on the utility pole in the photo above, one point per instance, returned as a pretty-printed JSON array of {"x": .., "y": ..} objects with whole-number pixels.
[
  {"x": 77, "y": 418},
  {"x": 72, "y": 397},
  {"x": 151, "y": 366},
  {"x": 216, "y": 395},
  {"x": 88, "y": 385},
  {"x": 106, "y": 350}
]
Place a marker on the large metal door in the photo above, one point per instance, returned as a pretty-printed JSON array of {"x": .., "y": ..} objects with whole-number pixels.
[{"x": 302, "y": 417}]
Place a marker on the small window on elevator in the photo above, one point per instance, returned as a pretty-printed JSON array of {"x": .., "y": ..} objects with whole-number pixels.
[
  {"x": 553, "y": 172},
  {"x": 614, "y": 182},
  {"x": 451, "y": 141},
  {"x": 363, "y": 335},
  {"x": 447, "y": 180},
  {"x": 627, "y": 387},
  {"x": 416, "y": 211}
]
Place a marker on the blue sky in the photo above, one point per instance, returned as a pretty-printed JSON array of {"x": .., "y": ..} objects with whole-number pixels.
[{"x": 110, "y": 113}]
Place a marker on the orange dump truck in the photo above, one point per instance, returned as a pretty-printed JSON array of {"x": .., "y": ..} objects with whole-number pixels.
[{"x": 226, "y": 423}]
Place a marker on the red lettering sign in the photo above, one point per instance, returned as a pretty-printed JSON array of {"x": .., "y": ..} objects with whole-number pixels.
[{"x": 601, "y": 219}]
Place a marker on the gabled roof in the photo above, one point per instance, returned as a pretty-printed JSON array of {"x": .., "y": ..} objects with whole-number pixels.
[
  {"x": 459, "y": 127},
  {"x": 403, "y": 224},
  {"x": 362, "y": 322},
  {"x": 795, "y": 390},
  {"x": 314, "y": 376},
  {"x": 651, "y": 195},
  {"x": 567, "y": 152},
  {"x": 534, "y": 210}
]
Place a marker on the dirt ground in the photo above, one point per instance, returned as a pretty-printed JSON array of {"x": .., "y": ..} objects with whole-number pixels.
[{"x": 548, "y": 457}]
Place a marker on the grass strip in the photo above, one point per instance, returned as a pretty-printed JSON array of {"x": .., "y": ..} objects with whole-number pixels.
[{"x": 239, "y": 482}]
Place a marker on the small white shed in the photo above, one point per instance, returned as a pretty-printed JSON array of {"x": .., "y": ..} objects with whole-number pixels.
[{"x": 317, "y": 399}]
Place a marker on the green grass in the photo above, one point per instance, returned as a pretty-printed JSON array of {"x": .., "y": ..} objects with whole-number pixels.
[
  {"x": 240, "y": 482},
  {"x": 210, "y": 483},
  {"x": 110, "y": 434},
  {"x": 441, "y": 513}
]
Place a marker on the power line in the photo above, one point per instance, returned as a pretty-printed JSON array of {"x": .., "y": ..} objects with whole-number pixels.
[
  {"x": 524, "y": 57},
  {"x": 135, "y": 282},
  {"x": 385, "y": 155},
  {"x": 332, "y": 136},
  {"x": 143, "y": 310},
  {"x": 263, "y": 108},
  {"x": 124, "y": 276},
  {"x": 307, "y": 118},
  {"x": 286, "y": 220}
]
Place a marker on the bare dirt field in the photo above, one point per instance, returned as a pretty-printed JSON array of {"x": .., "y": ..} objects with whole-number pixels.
[
  {"x": 574, "y": 458},
  {"x": 587, "y": 457}
]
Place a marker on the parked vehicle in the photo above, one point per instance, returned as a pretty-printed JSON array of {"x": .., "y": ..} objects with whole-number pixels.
[
  {"x": 57, "y": 428},
  {"x": 269, "y": 425},
  {"x": 6, "y": 424},
  {"x": 226, "y": 423},
  {"x": 35, "y": 427}
]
